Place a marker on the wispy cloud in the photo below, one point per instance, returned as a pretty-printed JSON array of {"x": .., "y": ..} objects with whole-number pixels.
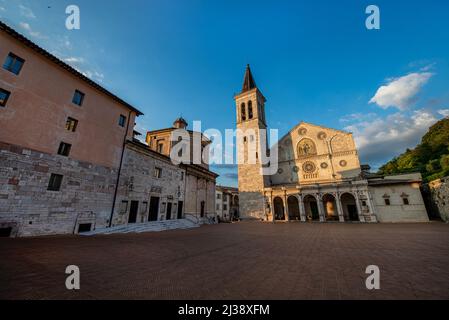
[
  {"x": 401, "y": 92},
  {"x": 35, "y": 34},
  {"x": 26, "y": 12},
  {"x": 444, "y": 112},
  {"x": 382, "y": 138}
]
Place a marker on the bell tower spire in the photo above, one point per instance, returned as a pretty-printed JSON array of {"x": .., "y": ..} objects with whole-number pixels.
[{"x": 251, "y": 134}]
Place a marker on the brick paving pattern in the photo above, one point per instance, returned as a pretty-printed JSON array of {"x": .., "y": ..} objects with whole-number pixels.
[{"x": 234, "y": 261}]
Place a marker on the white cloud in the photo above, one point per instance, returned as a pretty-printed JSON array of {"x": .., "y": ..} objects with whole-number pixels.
[
  {"x": 2, "y": 9},
  {"x": 26, "y": 12},
  {"x": 25, "y": 26},
  {"x": 74, "y": 60},
  {"x": 383, "y": 138},
  {"x": 444, "y": 112},
  {"x": 31, "y": 32},
  {"x": 400, "y": 92}
]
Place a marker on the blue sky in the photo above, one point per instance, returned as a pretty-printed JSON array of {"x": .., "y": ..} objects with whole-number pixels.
[{"x": 313, "y": 60}]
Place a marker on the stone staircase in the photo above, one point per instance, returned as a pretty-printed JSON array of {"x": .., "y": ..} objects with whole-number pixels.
[{"x": 155, "y": 226}]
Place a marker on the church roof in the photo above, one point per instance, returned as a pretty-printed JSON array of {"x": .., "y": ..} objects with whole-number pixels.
[{"x": 248, "y": 81}]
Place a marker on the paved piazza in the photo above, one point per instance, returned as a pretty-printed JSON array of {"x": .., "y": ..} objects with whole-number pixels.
[{"x": 248, "y": 260}]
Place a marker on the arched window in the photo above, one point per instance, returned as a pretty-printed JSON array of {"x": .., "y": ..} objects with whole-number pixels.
[
  {"x": 250, "y": 109},
  {"x": 243, "y": 111}
]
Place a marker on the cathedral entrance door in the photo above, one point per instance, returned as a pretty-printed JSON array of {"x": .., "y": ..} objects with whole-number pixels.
[
  {"x": 352, "y": 210},
  {"x": 314, "y": 210}
]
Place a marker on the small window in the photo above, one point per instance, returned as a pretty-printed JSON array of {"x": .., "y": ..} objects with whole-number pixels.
[
  {"x": 405, "y": 201},
  {"x": 122, "y": 121},
  {"x": 244, "y": 139},
  {"x": 160, "y": 147},
  {"x": 225, "y": 207},
  {"x": 182, "y": 176},
  {"x": 157, "y": 172},
  {"x": 13, "y": 63},
  {"x": 71, "y": 124},
  {"x": 218, "y": 207},
  {"x": 387, "y": 202},
  {"x": 78, "y": 98},
  {"x": 55, "y": 182},
  {"x": 124, "y": 206},
  {"x": 4, "y": 96},
  {"x": 364, "y": 203},
  {"x": 64, "y": 149}
]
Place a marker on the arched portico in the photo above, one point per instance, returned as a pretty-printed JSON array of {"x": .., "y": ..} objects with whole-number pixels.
[
  {"x": 330, "y": 207},
  {"x": 311, "y": 208},
  {"x": 293, "y": 208},
  {"x": 279, "y": 210},
  {"x": 349, "y": 207}
]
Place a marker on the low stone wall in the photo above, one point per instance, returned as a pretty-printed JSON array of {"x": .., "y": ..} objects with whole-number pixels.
[
  {"x": 29, "y": 209},
  {"x": 437, "y": 192}
]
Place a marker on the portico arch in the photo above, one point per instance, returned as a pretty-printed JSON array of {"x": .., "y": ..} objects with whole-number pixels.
[
  {"x": 293, "y": 208},
  {"x": 349, "y": 205},
  {"x": 311, "y": 208},
  {"x": 279, "y": 212},
  {"x": 330, "y": 207}
]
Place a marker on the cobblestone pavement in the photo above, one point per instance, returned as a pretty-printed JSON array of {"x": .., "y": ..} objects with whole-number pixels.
[{"x": 249, "y": 260}]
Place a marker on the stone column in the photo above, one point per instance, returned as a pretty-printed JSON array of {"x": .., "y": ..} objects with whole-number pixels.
[
  {"x": 287, "y": 217},
  {"x": 302, "y": 209},
  {"x": 320, "y": 208},
  {"x": 359, "y": 207},
  {"x": 340, "y": 211},
  {"x": 273, "y": 219}
]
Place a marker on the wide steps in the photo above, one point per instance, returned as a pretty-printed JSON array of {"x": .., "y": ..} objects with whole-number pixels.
[{"x": 156, "y": 226}]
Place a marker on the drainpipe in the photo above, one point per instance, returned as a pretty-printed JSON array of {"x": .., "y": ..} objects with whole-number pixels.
[{"x": 119, "y": 170}]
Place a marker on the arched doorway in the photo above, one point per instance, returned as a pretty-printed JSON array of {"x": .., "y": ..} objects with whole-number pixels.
[
  {"x": 293, "y": 208},
  {"x": 278, "y": 209},
  {"x": 330, "y": 207},
  {"x": 349, "y": 205},
  {"x": 311, "y": 206}
]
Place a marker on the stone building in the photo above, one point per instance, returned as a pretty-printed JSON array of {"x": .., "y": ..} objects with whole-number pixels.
[
  {"x": 319, "y": 176},
  {"x": 69, "y": 160},
  {"x": 227, "y": 203},
  {"x": 200, "y": 181}
]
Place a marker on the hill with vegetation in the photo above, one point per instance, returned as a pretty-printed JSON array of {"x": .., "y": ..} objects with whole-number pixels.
[{"x": 430, "y": 157}]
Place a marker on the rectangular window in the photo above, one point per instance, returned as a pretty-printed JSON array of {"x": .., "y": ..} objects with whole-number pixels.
[
  {"x": 55, "y": 182},
  {"x": 218, "y": 196},
  {"x": 182, "y": 176},
  {"x": 218, "y": 207},
  {"x": 4, "y": 96},
  {"x": 124, "y": 207},
  {"x": 405, "y": 201},
  {"x": 157, "y": 172},
  {"x": 160, "y": 147},
  {"x": 13, "y": 63},
  {"x": 71, "y": 124},
  {"x": 122, "y": 121},
  {"x": 78, "y": 98},
  {"x": 387, "y": 202},
  {"x": 225, "y": 207},
  {"x": 64, "y": 149}
]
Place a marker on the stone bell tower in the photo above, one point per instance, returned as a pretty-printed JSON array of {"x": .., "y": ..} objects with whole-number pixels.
[{"x": 251, "y": 123}]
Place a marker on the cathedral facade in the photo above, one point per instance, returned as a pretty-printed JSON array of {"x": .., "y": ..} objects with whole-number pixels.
[{"x": 319, "y": 176}]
